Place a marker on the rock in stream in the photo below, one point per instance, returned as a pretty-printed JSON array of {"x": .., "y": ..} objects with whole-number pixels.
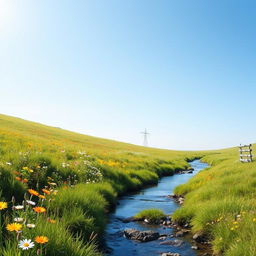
[{"x": 142, "y": 236}]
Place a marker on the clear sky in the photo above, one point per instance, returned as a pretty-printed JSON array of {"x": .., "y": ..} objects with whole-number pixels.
[{"x": 185, "y": 70}]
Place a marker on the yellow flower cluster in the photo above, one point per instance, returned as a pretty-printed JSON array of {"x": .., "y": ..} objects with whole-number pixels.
[
  {"x": 111, "y": 163},
  {"x": 27, "y": 169}
]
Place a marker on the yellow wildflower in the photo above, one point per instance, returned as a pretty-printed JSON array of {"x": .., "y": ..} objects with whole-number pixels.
[
  {"x": 51, "y": 221},
  {"x": 14, "y": 227},
  {"x": 3, "y": 205}
]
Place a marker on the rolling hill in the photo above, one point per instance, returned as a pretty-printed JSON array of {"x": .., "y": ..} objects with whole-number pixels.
[{"x": 75, "y": 179}]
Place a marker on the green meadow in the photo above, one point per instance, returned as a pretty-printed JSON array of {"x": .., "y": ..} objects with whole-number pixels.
[
  {"x": 220, "y": 203},
  {"x": 57, "y": 186},
  {"x": 81, "y": 178}
]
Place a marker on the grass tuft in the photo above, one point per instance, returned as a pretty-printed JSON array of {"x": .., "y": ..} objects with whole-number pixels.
[{"x": 152, "y": 215}]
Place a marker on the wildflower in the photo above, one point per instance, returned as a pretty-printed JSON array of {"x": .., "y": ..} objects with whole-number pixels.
[
  {"x": 18, "y": 207},
  {"x": 26, "y": 244},
  {"x": 38, "y": 167},
  {"x": 39, "y": 209},
  {"x": 235, "y": 222},
  {"x": 41, "y": 239},
  {"x": 41, "y": 196},
  {"x": 33, "y": 192},
  {"x": 52, "y": 183},
  {"x": 8, "y": 163},
  {"x": 14, "y": 227},
  {"x": 254, "y": 219},
  {"x": 3, "y": 205},
  {"x": 18, "y": 219},
  {"x": 31, "y": 225},
  {"x": 18, "y": 178},
  {"x": 25, "y": 181},
  {"x": 46, "y": 191},
  {"x": 232, "y": 228},
  {"x": 30, "y": 202},
  {"x": 51, "y": 221},
  {"x": 25, "y": 168},
  {"x": 30, "y": 170}
]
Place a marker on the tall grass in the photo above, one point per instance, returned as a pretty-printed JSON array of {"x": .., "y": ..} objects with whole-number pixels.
[
  {"x": 220, "y": 202},
  {"x": 84, "y": 175}
]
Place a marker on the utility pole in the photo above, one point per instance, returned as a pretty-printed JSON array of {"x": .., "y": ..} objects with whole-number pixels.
[{"x": 145, "y": 138}]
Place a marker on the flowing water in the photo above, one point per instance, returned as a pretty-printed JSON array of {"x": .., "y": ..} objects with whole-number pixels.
[{"x": 152, "y": 197}]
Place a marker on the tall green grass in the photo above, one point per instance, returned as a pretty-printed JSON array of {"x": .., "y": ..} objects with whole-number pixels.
[
  {"x": 220, "y": 202},
  {"x": 86, "y": 173}
]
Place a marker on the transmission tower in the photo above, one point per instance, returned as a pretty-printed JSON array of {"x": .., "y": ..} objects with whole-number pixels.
[{"x": 145, "y": 138}]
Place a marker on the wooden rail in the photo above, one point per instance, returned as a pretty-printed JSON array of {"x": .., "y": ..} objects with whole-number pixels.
[{"x": 245, "y": 158}]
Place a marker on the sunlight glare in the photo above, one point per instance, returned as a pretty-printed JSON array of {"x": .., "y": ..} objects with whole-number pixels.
[{"x": 6, "y": 14}]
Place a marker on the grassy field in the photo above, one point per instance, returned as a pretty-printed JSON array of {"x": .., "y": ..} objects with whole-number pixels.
[
  {"x": 75, "y": 179},
  {"x": 221, "y": 203},
  {"x": 57, "y": 185}
]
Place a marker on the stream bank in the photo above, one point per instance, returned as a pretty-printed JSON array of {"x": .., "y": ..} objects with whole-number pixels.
[{"x": 152, "y": 197}]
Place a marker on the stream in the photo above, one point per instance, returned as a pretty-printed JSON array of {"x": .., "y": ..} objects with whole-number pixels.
[{"x": 152, "y": 197}]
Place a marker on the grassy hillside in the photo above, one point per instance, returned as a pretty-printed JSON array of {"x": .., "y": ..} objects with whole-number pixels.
[
  {"x": 83, "y": 175},
  {"x": 74, "y": 180},
  {"x": 221, "y": 203}
]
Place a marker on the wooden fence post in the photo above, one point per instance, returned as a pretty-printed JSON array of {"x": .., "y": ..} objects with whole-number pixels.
[{"x": 245, "y": 153}]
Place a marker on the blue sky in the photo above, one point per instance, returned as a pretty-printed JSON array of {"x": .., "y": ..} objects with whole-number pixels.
[{"x": 185, "y": 70}]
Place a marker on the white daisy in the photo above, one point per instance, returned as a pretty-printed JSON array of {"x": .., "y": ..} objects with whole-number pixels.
[
  {"x": 30, "y": 202},
  {"x": 18, "y": 207},
  {"x": 31, "y": 225},
  {"x": 26, "y": 244},
  {"x": 18, "y": 219}
]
